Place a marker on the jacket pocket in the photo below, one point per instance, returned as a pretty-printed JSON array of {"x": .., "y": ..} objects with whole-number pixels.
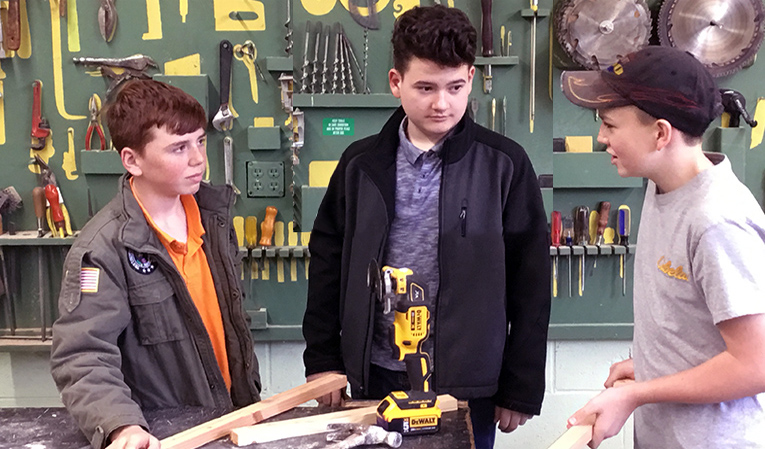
[
  {"x": 463, "y": 218},
  {"x": 156, "y": 316}
]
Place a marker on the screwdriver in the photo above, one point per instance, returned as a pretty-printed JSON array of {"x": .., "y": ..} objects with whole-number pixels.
[
  {"x": 38, "y": 196},
  {"x": 604, "y": 208},
  {"x": 568, "y": 240},
  {"x": 555, "y": 240},
  {"x": 581, "y": 221},
  {"x": 266, "y": 235},
  {"x": 624, "y": 239}
]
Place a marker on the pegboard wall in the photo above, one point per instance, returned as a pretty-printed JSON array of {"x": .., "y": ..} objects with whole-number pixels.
[{"x": 289, "y": 129}]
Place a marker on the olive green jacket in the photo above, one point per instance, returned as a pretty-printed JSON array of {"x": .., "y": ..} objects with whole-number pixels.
[{"x": 129, "y": 336}]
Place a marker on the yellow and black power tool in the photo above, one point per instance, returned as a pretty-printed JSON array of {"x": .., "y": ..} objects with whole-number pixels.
[{"x": 416, "y": 411}]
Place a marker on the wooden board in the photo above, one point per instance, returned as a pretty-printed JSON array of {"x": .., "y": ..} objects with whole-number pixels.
[
  {"x": 220, "y": 427},
  {"x": 576, "y": 437},
  {"x": 291, "y": 428}
]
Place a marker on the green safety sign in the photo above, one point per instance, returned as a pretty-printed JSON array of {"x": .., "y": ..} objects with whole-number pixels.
[{"x": 338, "y": 127}]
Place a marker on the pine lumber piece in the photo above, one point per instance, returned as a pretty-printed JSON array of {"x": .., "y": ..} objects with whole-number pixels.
[
  {"x": 576, "y": 437},
  {"x": 310, "y": 425},
  {"x": 204, "y": 433}
]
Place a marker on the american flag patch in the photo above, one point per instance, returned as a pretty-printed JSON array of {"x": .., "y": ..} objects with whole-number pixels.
[{"x": 89, "y": 280}]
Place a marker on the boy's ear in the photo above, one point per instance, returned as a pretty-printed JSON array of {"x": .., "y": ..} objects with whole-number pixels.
[
  {"x": 664, "y": 132},
  {"x": 130, "y": 159},
  {"x": 394, "y": 79}
]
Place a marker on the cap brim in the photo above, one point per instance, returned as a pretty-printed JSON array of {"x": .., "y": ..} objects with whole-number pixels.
[{"x": 588, "y": 89}]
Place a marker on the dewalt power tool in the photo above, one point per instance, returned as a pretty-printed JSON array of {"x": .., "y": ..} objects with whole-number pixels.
[{"x": 416, "y": 411}]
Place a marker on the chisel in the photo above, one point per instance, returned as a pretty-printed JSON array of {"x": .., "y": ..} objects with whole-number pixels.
[
  {"x": 250, "y": 240},
  {"x": 568, "y": 236},
  {"x": 266, "y": 236},
  {"x": 581, "y": 221},
  {"x": 604, "y": 208},
  {"x": 555, "y": 241},
  {"x": 624, "y": 239},
  {"x": 533, "y": 63},
  {"x": 487, "y": 42}
]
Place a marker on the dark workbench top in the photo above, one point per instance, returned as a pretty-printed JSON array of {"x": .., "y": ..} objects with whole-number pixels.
[{"x": 53, "y": 428}]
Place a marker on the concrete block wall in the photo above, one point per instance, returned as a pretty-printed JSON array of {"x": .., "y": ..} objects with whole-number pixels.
[{"x": 576, "y": 371}]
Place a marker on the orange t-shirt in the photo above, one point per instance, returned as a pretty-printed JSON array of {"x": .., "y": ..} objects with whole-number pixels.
[{"x": 191, "y": 262}]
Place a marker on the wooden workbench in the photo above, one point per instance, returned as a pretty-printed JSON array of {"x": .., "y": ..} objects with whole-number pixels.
[{"x": 54, "y": 428}]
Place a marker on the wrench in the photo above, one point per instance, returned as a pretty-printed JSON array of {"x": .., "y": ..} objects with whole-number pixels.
[
  {"x": 224, "y": 120},
  {"x": 228, "y": 163}
]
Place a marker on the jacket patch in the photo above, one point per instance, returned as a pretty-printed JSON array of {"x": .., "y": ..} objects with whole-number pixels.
[
  {"x": 142, "y": 263},
  {"x": 89, "y": 280}
]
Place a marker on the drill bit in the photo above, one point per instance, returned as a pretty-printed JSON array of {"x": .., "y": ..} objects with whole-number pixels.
[
  {"x": 288, "y": 25},
  {"x": 315, "y": 73},
  {"x": 336, "y": 60},
  {"x": 355, "y": 62},
  {"x": 306, "y": 64},
  {"x": 347, "y": 66},
  {"x": 325, "y": 66},
  {"x": 366, "y": 60},
  {"x": 341, "y": 67}
]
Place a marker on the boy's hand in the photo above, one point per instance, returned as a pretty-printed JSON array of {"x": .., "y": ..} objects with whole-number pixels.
[
  {"x": 132, "y": 437},
  {"x": 509, "y": 420},
  {"x": 334, "y": 399},
  {"x": 606, "y": 412},
  {"x": 624, "y": 370}
]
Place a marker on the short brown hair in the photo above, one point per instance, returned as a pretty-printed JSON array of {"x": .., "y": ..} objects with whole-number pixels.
[
  {"x": 436, "y": 33},
  {"x": 140, "y": 105}
]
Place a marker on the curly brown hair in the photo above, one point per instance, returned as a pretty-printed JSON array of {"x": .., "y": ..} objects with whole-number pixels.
[
  {"x": 139, "y": 105},
  {"x": 436, "y": 33}
]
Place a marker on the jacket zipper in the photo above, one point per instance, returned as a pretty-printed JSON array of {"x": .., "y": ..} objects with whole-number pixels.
[{"x": 463, "y": 218}]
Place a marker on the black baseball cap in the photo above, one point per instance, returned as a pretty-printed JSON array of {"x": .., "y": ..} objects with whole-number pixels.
[{"x": 665, "y": 82}]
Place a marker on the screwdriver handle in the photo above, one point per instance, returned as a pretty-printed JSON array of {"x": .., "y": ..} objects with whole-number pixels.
[
  {"x": 624, "y": 224},
  {"x": 568, "y": 230},
  {"x": 267, "y": 226},
  {"x": 556, "y": 229},
  {"x": 603, "y": 210},
  {"x": 250, "y": 231},
  {"x": 487, "y": 35},
  {"x": 581, "y": 222}
]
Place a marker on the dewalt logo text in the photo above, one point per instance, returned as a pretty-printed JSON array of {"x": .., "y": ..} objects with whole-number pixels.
[{"x": 422, "y": 422}]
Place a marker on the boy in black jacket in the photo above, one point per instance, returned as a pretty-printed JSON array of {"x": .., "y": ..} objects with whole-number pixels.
[{"x": 461, "y": 207}]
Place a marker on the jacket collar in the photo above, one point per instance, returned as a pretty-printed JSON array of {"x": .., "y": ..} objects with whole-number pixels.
[
  {"x": 136, "y": 233},
  {"x": 455, "y": 147}
]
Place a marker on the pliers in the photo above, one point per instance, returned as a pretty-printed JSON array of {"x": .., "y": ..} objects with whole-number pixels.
[{"x": 95, "y": 110}]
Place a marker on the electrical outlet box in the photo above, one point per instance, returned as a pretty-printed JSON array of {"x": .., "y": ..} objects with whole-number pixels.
[{"x": 265, "y": 179}]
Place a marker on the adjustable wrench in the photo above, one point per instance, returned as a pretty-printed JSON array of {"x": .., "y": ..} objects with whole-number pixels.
[{"x": 224, "y": 120}]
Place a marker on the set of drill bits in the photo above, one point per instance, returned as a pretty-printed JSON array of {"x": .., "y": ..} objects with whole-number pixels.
[{"x": 331, "y": 73}]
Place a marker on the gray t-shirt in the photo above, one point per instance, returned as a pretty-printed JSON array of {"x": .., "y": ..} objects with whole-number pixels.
[
  {"x": 413, "y": 236},
  {"x": 700, "y": 261}
]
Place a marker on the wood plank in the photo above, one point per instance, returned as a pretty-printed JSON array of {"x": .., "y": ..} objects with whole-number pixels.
[
  {"x": 291, "y": 428},
  {"x": 576, "y": 437},
  {"x": 220, "y": 427}
]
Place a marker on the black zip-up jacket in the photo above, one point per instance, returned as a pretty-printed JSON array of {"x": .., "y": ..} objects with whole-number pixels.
[
  {"x": 137, "y": 341},
  {"x": 493, "y": 259}
]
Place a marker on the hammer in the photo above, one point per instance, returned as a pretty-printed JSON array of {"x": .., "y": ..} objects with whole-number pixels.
[{"x": 353, "y": 435}]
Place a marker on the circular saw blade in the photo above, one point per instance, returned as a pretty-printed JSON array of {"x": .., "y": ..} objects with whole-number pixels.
[
  {"x": 596, "y": 33},
  {"x": 723, "y": 35}
]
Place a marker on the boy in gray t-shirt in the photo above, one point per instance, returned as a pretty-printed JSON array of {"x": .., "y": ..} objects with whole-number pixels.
[{"x": 699, "y": 298}]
